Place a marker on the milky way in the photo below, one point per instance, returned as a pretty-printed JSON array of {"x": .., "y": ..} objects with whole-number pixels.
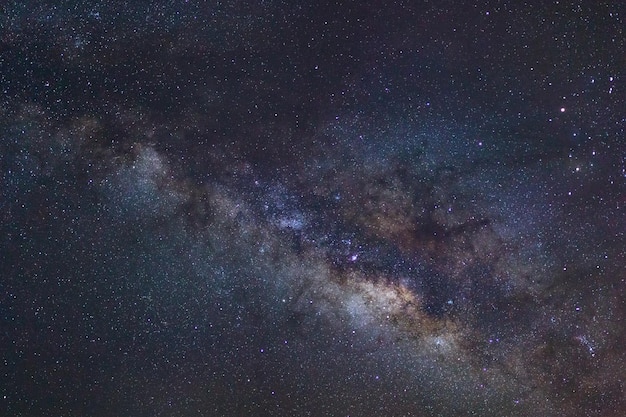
[{"x": 266, "y": 208}]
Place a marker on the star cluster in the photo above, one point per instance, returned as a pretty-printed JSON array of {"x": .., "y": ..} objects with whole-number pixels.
[{"x": 340, "y": 208}]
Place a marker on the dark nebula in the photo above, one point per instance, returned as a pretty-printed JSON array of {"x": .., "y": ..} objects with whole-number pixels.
[{"x": 269, "y": 208}]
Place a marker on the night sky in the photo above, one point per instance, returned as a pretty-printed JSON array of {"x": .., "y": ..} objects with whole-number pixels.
[{"x": 299, "y": 208}]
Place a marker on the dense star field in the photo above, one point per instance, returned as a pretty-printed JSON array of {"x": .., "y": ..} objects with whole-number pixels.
[{"x": 298, "y": 208}]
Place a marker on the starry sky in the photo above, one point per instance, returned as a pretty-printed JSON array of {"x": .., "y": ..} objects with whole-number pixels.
[{"x": 296, "y": 208}]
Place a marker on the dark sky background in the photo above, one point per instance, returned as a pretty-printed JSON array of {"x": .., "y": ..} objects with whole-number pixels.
[{"x": 289, "y": 208}]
